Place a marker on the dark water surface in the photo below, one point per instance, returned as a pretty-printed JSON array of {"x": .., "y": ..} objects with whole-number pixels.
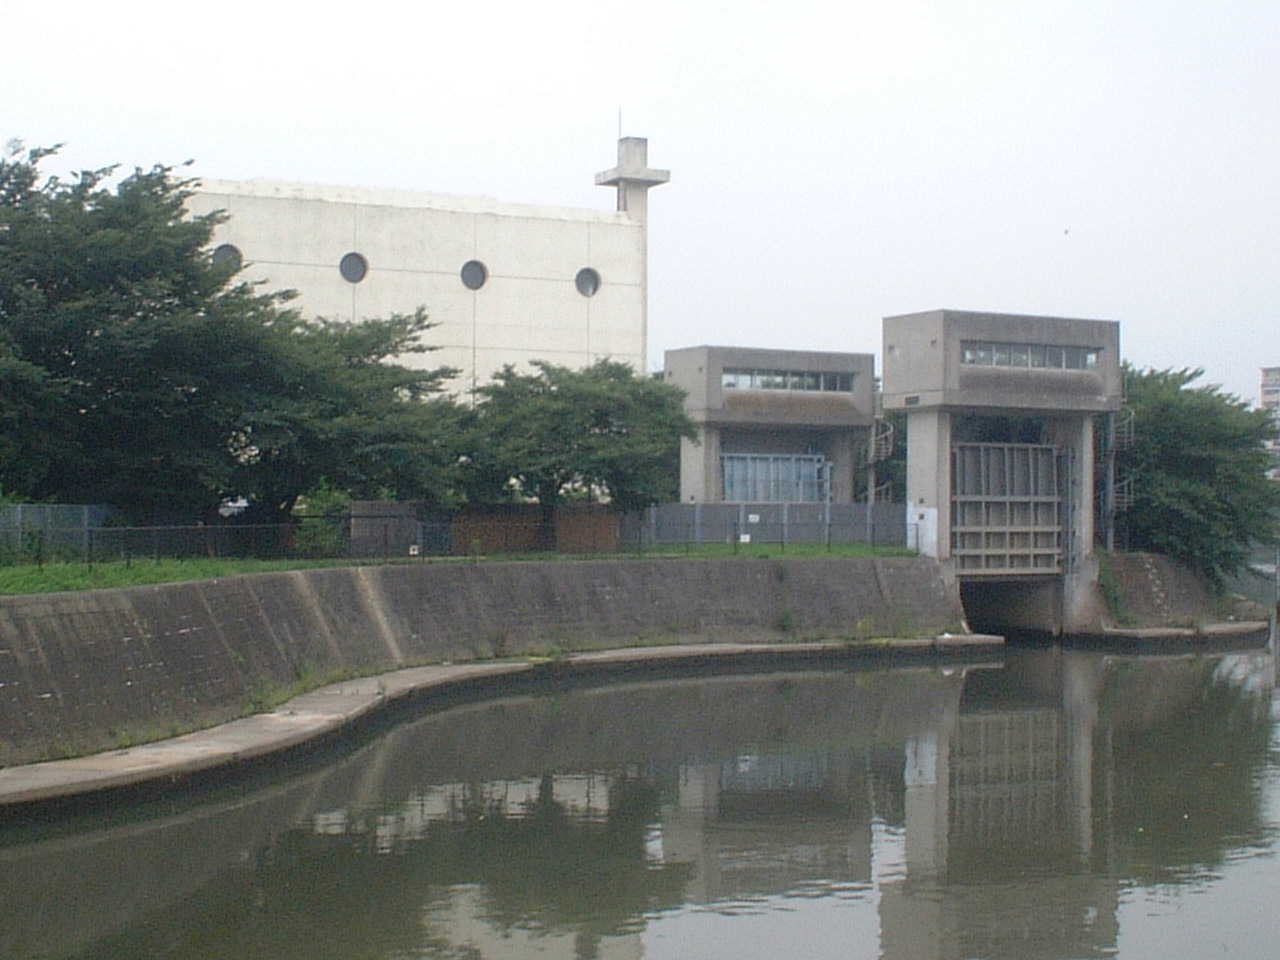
[{"x": 1061, "y": 804}]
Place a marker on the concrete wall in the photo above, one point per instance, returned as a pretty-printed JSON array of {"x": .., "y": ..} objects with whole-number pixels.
[
  {"x": 293, "y": 236},
  {"x": 698, "y": 371},
  {"x": 923, "y": 368},
  {"x": 87, "y": 671}
]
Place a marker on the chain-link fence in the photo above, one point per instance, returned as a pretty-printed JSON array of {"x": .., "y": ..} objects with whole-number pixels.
[
  {"x": 780, "y": 524},
  {"x": 49, "y": 529},
  {"x": 107, "y": 543},
  {"x": 401, "y": 531}
]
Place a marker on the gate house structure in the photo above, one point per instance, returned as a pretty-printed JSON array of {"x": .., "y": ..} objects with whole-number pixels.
[
  {"x": 1000, "y": 453},
  {"x": 774, "y": 426}
]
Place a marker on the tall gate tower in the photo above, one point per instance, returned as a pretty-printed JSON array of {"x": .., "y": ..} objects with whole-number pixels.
[{"x": 1000, "y": 453}]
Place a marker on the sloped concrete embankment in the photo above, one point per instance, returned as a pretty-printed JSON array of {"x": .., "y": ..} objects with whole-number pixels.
[
  {"x": 1152, "y": 595},
  {"x": 81, "y": 672}
]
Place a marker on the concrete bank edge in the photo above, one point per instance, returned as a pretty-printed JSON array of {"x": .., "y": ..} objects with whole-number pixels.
[
  {"x": 311, "y": 716},
  {"x": 1228, "y": 629},
  {"x": 92, "y": 671}
]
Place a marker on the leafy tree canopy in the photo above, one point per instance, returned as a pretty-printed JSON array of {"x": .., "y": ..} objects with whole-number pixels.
[
  {"x": 560, "y": 433},
  {"x": 134, "y": 371},
  {"x": 1201, "y": 492}
]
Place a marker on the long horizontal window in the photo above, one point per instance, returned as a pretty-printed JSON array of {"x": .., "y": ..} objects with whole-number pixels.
[
  {"x": 744, "y": 378},
  {"x": 988, "y": 353},
  {"x": 775, "y": 478}
]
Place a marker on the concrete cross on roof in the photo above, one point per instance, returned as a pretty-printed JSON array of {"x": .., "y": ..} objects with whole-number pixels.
[{"x": 633, "y": 176}]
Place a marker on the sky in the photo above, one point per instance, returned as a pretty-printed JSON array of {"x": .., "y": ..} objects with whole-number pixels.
[{"x": 831, "y": 164}]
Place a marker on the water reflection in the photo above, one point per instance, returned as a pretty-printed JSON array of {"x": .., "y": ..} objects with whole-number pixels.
[{"x": 1038, "y": 808}]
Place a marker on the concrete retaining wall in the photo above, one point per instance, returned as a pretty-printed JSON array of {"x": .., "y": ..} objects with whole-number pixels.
[{"x": 81, "y": 672}]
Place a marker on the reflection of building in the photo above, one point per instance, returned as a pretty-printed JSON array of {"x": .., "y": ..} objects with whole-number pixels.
[
  {"x": 506, "y": 283},
  {"x": 873, "y": 813},
  {"x": 1011, "y": 806},
  {"x": 773, "y": 425},
  {"x": 757, "y": 824},
  {"x": 983, "y": 777},
  {"x": 973, "y": 819}
]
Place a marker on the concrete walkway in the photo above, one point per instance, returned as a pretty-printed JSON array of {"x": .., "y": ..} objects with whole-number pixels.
[{"x": 313, "y": 715}]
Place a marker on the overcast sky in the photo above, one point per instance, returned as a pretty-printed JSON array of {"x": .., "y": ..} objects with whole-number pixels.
[{"x": 831, "y": 165}]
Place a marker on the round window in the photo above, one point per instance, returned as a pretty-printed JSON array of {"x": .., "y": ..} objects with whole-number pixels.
[
  {"x": 474, "y": 274},
  {"x": 353, "y": 267},
  {"x": 587, "y": 281},
  {"x": 227, "y": 255}
]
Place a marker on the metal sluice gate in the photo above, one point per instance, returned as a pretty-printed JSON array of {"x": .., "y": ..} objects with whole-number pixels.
[{"x": 1007, "y": 508}]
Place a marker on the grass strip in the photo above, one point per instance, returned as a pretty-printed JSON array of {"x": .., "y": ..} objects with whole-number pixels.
[{"x": 61, "y": 576}]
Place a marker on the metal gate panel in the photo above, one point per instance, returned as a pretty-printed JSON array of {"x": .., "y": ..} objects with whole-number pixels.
[{"x": 1006, "y": 508}]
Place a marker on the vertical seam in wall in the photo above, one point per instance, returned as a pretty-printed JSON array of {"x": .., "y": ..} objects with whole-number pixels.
[
  {"x": 589, "y": 299},
  {"x": 371, "y": 594},
  {"x": 881, "y": 587},
  {"x": 475, "y": 253},
  {"x": 355, "y": 245},
  {"x": 284, "y": 652},
  {"x": 312, "y": 602},
  {"x": 216, "y": 627}
]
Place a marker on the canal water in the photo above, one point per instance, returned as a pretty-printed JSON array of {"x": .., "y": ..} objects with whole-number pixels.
[{"x": 1052, "y": 804}]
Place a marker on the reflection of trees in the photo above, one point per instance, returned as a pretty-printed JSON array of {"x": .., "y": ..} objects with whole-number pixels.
[
  {"x": 1186, "y": 789},
  {"x": 1017, "y": 799},
  {"x": 551, "y": 871},
  {"x": 320, "y": 895}
]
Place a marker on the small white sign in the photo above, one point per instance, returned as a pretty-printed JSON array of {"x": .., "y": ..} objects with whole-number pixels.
[
  {"x": 413, "y": 549},
  {"x": 744, "y": 538},
  {"x": 753, "y": 518}
]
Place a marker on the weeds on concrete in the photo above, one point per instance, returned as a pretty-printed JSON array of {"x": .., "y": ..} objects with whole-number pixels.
[
  {"x": 1112, "y": 594},
  {"x": 266, "y": 694}
]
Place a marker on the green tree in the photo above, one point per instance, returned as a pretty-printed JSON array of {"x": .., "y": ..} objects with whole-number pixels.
[
  {"x": 134, "y": 371},
  {"x": 558, "y": 433},
  {"x": 1201, "y": 493},
  {"x": 333, "y": 413}
]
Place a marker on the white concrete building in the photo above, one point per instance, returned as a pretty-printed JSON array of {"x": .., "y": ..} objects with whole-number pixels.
[{"x": 507, "y": 283}]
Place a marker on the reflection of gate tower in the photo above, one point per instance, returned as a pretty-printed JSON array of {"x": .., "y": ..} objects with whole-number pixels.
[{"x": 1000, "y": 445}]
